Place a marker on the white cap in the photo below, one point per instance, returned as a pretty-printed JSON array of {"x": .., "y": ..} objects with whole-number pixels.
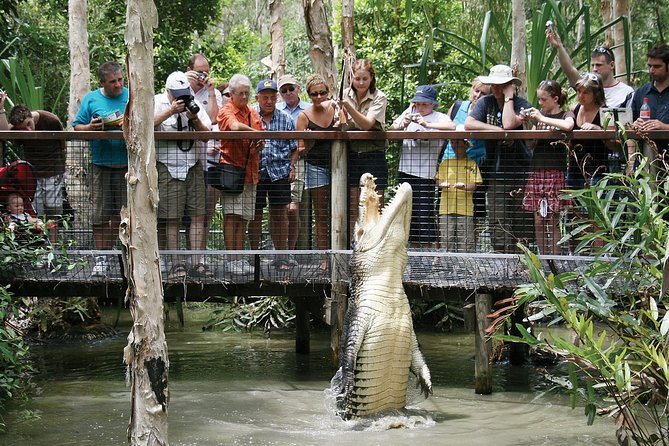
[{"x": 178, "y": 84}]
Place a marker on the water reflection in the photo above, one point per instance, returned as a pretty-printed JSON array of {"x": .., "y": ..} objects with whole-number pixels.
[{"x": 248, "y": 390}]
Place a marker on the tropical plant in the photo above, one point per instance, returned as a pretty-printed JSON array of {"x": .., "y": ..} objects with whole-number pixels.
[
  {"x": 15, "y": 368},
  {"x": 17, "y": 80},
  {"x": 494, "y": 44},
  {"x": 246, "y": 314},
  {"x": 619, "y": 322}
]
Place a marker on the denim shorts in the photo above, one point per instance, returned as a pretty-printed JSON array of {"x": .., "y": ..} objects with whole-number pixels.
[{"x": 316, "y": 176}]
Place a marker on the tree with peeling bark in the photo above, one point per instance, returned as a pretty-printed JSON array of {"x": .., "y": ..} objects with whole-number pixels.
[
  {"x": 321, "y": 52},
  {"x": 518, "y": 42},
  {"x": 146, "y": 353},
  {"x": 278, "y": 53},
  {"x": 80, "y": 69}
]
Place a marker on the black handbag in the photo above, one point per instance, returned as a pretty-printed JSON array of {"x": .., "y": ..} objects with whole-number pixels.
[{"x": 228, "y": 178}]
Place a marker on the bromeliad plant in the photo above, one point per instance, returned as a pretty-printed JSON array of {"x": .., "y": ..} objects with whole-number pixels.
[
  {"x": 619, "y": 321},
  {"x": 245, "y": 314}
]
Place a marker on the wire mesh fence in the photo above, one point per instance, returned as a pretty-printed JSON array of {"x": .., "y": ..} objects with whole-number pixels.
[{"x": 465, "y": 207}]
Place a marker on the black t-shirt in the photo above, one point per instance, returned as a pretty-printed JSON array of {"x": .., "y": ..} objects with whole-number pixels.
[
  {"x": 502, "y": 160},
  {"x": 591, "y": 155}
]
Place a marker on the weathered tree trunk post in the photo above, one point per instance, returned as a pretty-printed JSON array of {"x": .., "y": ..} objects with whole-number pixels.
[
  {"x": 146, "y": 352},
  {"x": 620, "y": 8},
  {"x": 518, "y": 45},
  {"x": 276, "y": 31},
  {"x": 80, "y": 84},
  {"x": 483, "y": 368},
  {"x": 321, "y": 52},
  {"x": 336, "y": 305},
  {"x": 302, "y": 326}
]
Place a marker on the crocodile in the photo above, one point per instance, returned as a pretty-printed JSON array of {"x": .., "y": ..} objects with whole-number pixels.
[{"x": 378, "y": 346}]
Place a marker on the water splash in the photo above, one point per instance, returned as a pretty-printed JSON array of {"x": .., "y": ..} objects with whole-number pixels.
[{"x": 408, "y": 418}]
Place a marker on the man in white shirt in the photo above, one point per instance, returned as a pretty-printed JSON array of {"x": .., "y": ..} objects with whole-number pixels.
[
  {"x": 602, "y": 62},
  {"x": 291, "y": 104},
  {"x": 180, "y": 174}
]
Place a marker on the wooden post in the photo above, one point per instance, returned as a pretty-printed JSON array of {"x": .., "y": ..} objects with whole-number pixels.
[
  {"x": 301, "y": 326},
  {"x": 469, "y": 315},
  {"x": 338, "y": 240},
  {"x": 483, "y": 369},
  {"x": 146, "y": 351}
]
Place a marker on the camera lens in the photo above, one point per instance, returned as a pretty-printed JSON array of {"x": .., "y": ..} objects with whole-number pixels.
[{"x": 201, "y": 75}]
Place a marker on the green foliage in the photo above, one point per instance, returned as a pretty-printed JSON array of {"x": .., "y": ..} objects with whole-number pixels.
[
  {"x": 15, "y": 368},
  {"x": 613, "y": 307},
  {"x": 245, "y": 314},
  {"x": 178, "y": 35},
  {"x": 494, "y": 44},
  {"x": 17, "y": 80}
]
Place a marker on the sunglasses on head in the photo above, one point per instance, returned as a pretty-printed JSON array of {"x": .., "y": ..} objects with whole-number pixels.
[
  {"x": 315, "y": 94},
  {"x": 603, "y": 50},
  {"x": 591, "y": 76},
  {"x": 285, "y": 90}
]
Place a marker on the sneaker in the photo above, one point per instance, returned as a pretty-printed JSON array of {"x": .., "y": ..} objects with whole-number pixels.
[
  {"x": 239, "y": 268},
  {"x": 101, "y": 268},
  {"x": 292, "y": 261}
]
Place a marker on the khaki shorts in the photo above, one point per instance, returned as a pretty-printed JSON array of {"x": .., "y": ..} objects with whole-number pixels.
[
  {"x": 49, "y": 196},
  {"x": 297, "y": 186},
  {"x": 109, "y": 192},
  {"x": 178, "y": 196},
  {"x": 243, "y": 204}
]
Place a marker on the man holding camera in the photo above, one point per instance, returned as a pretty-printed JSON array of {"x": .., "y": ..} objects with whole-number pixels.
[
  {"x": 180, "y": 173},
  {"x": 100, "y": 110},
  {"x": 204, "y": 88}
]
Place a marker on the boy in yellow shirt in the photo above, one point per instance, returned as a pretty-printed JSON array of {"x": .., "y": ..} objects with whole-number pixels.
[{"x": 457, "y": 178}]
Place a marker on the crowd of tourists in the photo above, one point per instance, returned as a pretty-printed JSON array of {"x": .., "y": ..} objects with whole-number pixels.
[{"x": 512, "y": 190}]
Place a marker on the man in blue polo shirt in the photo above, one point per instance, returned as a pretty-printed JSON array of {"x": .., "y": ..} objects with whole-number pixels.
[
  {"x": 277, "y": 171},
  {"x": 103, "y": 109},
  {"x": 657, "y": 92}
]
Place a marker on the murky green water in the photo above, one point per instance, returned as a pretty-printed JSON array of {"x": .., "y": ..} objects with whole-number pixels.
[{"x": 242, "y": 389}]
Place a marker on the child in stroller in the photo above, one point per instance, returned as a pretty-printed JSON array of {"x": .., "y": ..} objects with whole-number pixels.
[
  {"x": 17, "y": 188},
  {"x": 19, "y": 221}
]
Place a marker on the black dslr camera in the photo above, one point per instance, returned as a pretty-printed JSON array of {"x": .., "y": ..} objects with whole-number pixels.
[{"x": 189, "y": 102}]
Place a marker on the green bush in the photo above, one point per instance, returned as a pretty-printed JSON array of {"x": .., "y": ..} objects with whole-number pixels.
[
  {"x": 15, "y": 368},
  {"x": 618, "y": 349}
]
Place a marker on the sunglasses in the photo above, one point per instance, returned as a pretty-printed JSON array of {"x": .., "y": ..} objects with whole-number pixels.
[
  {"x": 227, "y": 95},
  {"x": 604, "y": 50},
  {"x": 592, "y": 76},
  {"x": 315, "y": 94},
  {"x": 285, "y": 90}
]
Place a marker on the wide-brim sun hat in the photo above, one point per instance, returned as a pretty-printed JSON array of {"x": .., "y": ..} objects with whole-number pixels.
[{"x": 500, "y": 75}]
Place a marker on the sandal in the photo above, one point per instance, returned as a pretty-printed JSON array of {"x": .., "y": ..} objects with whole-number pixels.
[
  {"x": 200, "y": 270},
  {"x": 178, "y": 271}
]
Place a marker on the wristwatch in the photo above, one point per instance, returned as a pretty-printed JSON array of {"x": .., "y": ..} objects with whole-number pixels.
[{"x": 507, "y": 100}]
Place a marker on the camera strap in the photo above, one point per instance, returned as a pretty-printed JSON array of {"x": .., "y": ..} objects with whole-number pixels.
[{"x": 180, "y": 128}]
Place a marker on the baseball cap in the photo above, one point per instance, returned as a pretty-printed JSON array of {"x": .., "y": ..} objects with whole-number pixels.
[
  {"x": 425, "y": 93},
  {"x": 178, "y": 84},
  {"x": 287, "y": 79},
  {"x": 266, "y": 84}
]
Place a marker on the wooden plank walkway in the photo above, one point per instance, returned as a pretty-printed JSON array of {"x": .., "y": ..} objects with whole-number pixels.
[{"x": 426, "y": 272}]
